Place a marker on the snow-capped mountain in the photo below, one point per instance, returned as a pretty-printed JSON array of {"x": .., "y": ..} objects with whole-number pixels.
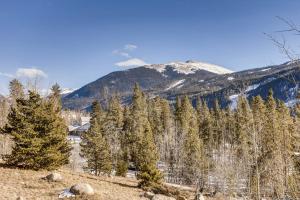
[
  {"x": 154, "y": 77},
  {"x": 190, "y": 67},
  {"x": 195, "y": 79}
]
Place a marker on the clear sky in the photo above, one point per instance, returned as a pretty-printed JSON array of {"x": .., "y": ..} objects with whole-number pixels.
[{"x": 73, "y": 42}]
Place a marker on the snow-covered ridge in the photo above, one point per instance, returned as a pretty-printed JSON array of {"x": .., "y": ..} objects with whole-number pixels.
[{"x": 190, "y": 67}]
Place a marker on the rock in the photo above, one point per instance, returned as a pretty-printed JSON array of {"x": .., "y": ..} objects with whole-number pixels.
[
  {"x": 20, "y": 198},
  {"x": 149, "y": 195},
  {"x": 82, "y": 188},
  {"x": 54, "y": 177},
  {"x": 199, "y": 197},
  {"x": 162, "y": 197}
]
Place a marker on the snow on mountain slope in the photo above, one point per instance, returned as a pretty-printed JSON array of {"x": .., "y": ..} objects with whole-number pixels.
[
  {"x": 190, "y": 67},
  {"x": 176, "y": 83},
  {"x": 67, "y": 91}
]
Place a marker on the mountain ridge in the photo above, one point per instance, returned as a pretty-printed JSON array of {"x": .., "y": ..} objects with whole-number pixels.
[{"x": 169, "y": 82}]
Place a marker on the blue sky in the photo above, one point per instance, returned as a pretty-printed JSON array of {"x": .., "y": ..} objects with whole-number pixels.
[{"x": 73, "y": 42}]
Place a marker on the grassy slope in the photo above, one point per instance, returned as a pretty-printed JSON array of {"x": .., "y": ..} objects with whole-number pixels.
[{"x": 29, "y": 184}]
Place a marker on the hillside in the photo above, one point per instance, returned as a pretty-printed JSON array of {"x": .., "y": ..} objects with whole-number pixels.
[{"x": 30, "y": 185}]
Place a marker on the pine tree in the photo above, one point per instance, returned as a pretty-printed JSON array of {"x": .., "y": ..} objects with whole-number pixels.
[
  {"x": 271, "y": 155},
  {"x": 138, "y": 120},
  {"x": 192, "y": 155},
  {"x": 168, "y": 131},
  {"x": 286, "y": 131},
  {"x": 55, "y": 97},
  {"x": 217, "y": 125},
  {"x": 38, "y": 133},
  {"x": 112, "y": 127},
  {"x": 16, "y": 90},
  {"x": 125, "y": 144},
  {"x": 94, "y": 146},
  {"x": 147, "y": 158},
  {"x": 192, "y": 145},
  {"x": 259, "y": 112},
  {"x": 206, "y": 136},
  {"x": 296, "y": 147},
  {"x": 244, "y": 142},
  {"x": 56, "y": 148}
]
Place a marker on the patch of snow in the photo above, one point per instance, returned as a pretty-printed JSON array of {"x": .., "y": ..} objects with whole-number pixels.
[
  {"x": 85, "y": 120},
  {"x": 200, "y": 81},
  {"x": 131, "y": 174},
  {"x": 190, "y": 67},
  {"x": 234, "y": 100},
  {"x": 67, "y": 90},
  {"x": 293, "y": 62},
  {"x": 72, "y": 128},
  {"x": 292, "y": 102},
  {"x": 176, "y": 83},
  {"x": 183, "y": 187},
  {"x": 263, "y": 70},
  {"x": 230, "y": 78},
  {"x": 252, "y": 87},
  {"x": 74, "y": 139},
  {"x": 66, "y": 194}
]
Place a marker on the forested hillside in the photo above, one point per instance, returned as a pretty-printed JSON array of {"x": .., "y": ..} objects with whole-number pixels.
[{"x": 251, "y": 151}]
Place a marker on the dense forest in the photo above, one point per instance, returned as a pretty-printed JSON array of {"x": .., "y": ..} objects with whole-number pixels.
[{"x": 251, "y": 151}]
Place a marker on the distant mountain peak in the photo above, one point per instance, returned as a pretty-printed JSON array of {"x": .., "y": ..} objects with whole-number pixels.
[{"x": 190, "y": 67}]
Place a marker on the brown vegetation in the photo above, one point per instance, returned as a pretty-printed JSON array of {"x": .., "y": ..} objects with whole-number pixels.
[{"x": 31, "y": 185}]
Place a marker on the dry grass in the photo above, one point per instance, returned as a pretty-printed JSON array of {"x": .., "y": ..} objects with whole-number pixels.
[{"x": 30, "y": 185}]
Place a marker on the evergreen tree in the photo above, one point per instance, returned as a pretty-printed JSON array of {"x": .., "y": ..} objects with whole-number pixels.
[
  {"x": 192, "y": 145},
  {"x": 259, "y": 117},
  {"x": 55, "y": 97},
  {"x": 272, "y": 176},
  {"x": 155, "y": 119},
  {"x": 296, "y": 147},
  {"x": 286, "y": 131},
  {"x": 112, "y": 127},
  {"x": 217, "y": 125},
  {"x": 147, "y": 159},
  {"x": 125, "y": 143},
  {"x": 38, "y": 133},
  {"x": 244, "y": 142},
  {"x": 168, "y": 131},
  {"x": 16, "y": 90},
  {"x": 192, "y": 155},
  {"x": 94, "y": 146},
  {"x": 137, "y": 121},
  {"x": 206, "y": 135}
]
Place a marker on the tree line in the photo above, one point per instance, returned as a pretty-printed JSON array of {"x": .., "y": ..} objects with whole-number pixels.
[{"x": 252, "y": 150}]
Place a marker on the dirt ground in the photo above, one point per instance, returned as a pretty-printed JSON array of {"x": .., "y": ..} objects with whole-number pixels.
[{"x": 30, "y": 185}]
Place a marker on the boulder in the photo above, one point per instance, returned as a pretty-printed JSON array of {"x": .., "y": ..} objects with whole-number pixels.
[
  {"x": 199, "y": 197},
  {"x": 162, "y": 197},
  {"x": 20, "y": 198},
  {"x": 82, "y": 188},
  {"x": 149, "y": 195},
  {"x": 54, "y": 177}
]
